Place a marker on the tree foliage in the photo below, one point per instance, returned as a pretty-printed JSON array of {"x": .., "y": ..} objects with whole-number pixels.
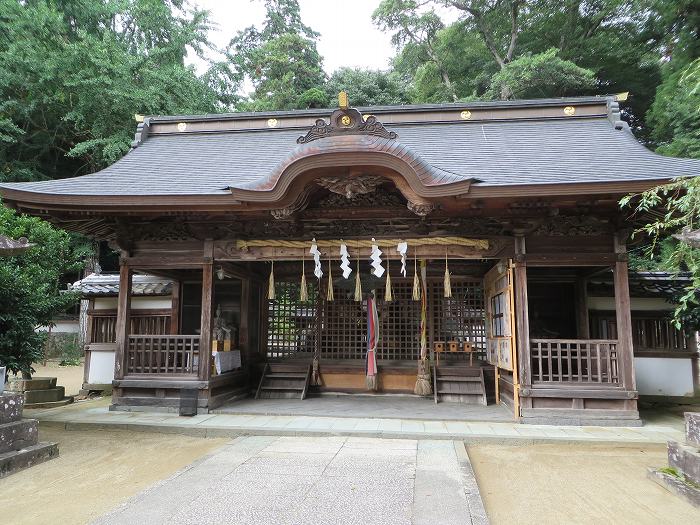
[
  {"x": 367, "y": 88},
  {"x": 73, "y": 74},
  {"x": 280, "y": 60},
  {"x": 30, "y": 293}
]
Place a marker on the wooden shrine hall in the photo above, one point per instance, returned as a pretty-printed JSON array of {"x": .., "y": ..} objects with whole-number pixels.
[{"x": 444, "y": 250}]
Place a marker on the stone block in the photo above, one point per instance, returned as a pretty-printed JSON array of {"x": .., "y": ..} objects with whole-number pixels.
[
  {"x": 692, "y": 428},
  {"x": 18, "y": 434},
  {"x": 11, "y": 405},
  {"x": 49, "y": 395},
  {"x": 17, "y": 384},
  {"x": 11, "y": 462},
  {"x": 676, "y": 485},
  {"x": 685, "y": 459}
]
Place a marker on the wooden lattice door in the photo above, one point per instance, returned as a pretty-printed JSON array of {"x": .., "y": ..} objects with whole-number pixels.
[{"x": 499, "y": 302}]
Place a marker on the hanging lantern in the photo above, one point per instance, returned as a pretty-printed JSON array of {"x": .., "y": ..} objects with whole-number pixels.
[
  {"x": 329, "y": 296},
  {"x": 303, "y": 291},
  {"x": 416, "y": 281},
  {"x": 448, "y": 284},
  {"x": 271, "y": 283}
]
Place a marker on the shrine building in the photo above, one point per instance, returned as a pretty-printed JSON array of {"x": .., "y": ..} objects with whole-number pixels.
[{"x": 468, "y": 253}]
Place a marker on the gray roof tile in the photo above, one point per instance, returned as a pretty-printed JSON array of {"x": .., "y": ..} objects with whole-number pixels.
[{"x": 494, "y": 152}]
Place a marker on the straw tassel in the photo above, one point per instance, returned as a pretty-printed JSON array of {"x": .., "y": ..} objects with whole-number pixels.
[
  {"x": 358, "y": 284},
  {"x": 330, "y": 297},
  {"x": 304, "y": 291},
  {"x": 448, "y": 284},
  {"x": 271, "y": 283},
  {"x": 416, "y": 281},
  {"x": 387, "y": 292}
]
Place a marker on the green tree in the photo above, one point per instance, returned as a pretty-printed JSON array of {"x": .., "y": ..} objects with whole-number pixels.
[
  {"x": 280, "y": 60},
  {"x": 30, "y": 294},
  {"x": 368, "y": 88},
  {"x": 541, "y": 75},
  {"x": 73, "y": 74}
]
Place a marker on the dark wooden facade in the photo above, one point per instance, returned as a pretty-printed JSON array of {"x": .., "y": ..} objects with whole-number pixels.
[{"x": 353, "y": 179}]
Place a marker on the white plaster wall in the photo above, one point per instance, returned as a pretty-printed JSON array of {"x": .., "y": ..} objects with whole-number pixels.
[
  {"x": 638, "y": 303},
  {"x": 101, "y": 368},
  {"x": 661, "y": 376},
  {"x": 137, "y": 303},
  {"x": 62, "y": 327}
]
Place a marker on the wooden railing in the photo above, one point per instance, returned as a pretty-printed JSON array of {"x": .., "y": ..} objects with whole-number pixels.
[
  {"x": 163, "y": 354},
  {"x": 103, "y": 324},
  {"x": 574, "y": 361}
]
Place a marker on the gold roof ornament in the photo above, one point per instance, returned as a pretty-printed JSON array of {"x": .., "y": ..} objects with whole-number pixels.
[
  {"x": 343, "y": 100},
  {"x": 465, "y": 115},
  {"x": 182, "y": 126},
  {"x": 569, "y": 111},
  {"x": 138, "y": 118},
  {"x": 621, "y": 97}
]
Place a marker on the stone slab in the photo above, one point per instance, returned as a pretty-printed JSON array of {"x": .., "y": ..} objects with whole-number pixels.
[
  {"x": 17, "y": 384},
  {"x": 51, "y": 404},
  {"x": 692, "y": 428},
  {"x": 11, "y": 462},
  {"x": 49, "y": 395},
  {"x": 18, "y": 435},
  {"x": 685, "y": 459},
  {"x": 676, "y": 486},
  {"x": 11, "y": 404}
]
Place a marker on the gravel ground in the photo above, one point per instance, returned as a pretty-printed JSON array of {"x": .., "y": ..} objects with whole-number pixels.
[{"x": 572, "y": 484}]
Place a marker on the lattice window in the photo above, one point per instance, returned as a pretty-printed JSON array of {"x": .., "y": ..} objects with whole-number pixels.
[
  {"x": 292, "y": 324},
  {"x": 460, "y": 317},
  {"x": 344, "y": 330},
  {"x": 399, "y": 323}
]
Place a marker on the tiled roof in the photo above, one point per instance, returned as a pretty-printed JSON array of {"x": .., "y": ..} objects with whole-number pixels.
[
  {"x": 10, "y": 247},
  {"x": 496, "y": 152},
  {"x": 108, "y": 285}
]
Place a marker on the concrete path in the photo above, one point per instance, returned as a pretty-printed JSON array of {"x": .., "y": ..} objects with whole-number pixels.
[
  {"x": 95, "y": 414},
  {"x": 323, "y": 480},
  {"x": 374, "y": 406}
]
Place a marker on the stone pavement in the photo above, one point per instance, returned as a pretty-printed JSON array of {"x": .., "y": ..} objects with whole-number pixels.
[
  {"x": 95, "y": 414},
  {"x": 323, "y": 480}
]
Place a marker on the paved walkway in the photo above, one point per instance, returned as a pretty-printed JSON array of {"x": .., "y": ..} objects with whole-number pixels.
[
  {"x": 95, "y": 414},
  {"x": 324, "y": 480}
]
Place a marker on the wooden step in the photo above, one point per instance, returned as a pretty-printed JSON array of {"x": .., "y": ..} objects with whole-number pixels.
[
  {"x": 458, "y": 379},
  {"x": 276, "y": 387},
  {"x": 286, "y": 375}
]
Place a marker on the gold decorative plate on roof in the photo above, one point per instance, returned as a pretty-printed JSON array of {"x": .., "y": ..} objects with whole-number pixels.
[
  {"x": 345, "y": 120},
  {"x": 569, "y": 110},
  {"x": 272, "y": 123},
  {"x": 465, "y": 115},
  {"x": 182, "y": 126},
  {"x": 343, "y": 102}
]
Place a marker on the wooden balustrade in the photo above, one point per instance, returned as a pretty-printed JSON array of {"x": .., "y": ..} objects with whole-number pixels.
[
  {"x": 103, "y": 324},
  {"x": 163, "y": 354},
  {"x": 574, "y": 361}
]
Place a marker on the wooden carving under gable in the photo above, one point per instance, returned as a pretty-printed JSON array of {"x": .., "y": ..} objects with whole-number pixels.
[
  {"x": 346, "y": 122},
  {"x": 573, "y": 225}
]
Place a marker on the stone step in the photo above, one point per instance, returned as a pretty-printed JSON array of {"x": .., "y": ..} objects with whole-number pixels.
[
  {"x": 11, "y": 404},
  {"x": 51, "y": 404},
  {"x": 49, "y": 395},
  {"x": 18, "y": 434},
  {"x": 17, "y": 384},
  {"x": 11, "y": 462}
]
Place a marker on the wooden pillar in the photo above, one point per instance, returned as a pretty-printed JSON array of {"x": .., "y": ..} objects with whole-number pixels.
[
  {"x": 122, "y": 323},
  {"x": 522, "y": 319},
  {"x": 207, "y": 306},
  {"x": 625, "y": 349},
  {"x": 244, "y": 328},
  {"x": 582, "y": 321},
  {"x": 175, "y": 308}
]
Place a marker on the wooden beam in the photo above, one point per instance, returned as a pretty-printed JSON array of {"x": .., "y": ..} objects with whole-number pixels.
[
  {"x": 570, "y": 259},
  {"x": 624, "y": 320},
  {"x": 122, "y": 322},
  {"x": 207, "y": 306}
]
